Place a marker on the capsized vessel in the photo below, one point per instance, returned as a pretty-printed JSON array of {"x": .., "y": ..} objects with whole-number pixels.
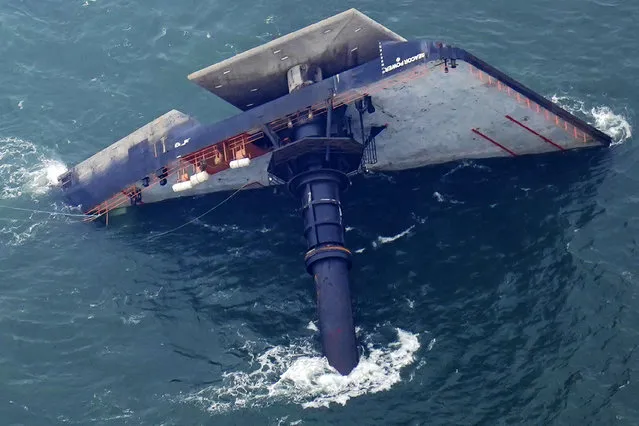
[{"x": 343, "y": 96}]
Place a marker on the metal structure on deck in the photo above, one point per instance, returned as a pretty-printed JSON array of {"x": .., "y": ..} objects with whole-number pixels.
[{"x": 342, "y": 96}]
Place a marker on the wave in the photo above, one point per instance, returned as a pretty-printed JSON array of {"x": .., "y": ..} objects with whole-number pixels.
[
  {"x": 26, "y": 170},
  {"x": 299, "y": 374},
  {"x": 386, "y": 240},
  {"x": 602, "y": 117}
]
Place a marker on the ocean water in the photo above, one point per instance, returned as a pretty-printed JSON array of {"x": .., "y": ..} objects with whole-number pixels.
[{"x": 494, "y": 292}]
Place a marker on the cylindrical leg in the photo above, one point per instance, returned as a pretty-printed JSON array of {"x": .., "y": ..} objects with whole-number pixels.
[
  {"x": 328, "y": 261},
  {"x": 335, "y": 314}
]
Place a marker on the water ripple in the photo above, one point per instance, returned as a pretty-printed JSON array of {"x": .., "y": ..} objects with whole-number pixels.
[{"x": 512, "y": 284}]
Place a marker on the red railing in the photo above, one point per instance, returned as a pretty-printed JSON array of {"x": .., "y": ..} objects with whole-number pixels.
[
  {"x": 226, "y": 149},
  {"x": 573, "y": 131}
]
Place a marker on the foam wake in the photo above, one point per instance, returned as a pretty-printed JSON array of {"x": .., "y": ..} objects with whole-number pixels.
[
  {"x": 602, "y": 117},
  {"x": 26, "y": 170},
  {"x": 299, "y": 374}
]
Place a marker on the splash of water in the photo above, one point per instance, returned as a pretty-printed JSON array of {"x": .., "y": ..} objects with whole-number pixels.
[
  {"x": 26, "y": 170},
  {"x": 299, "y": 374},
  {"x": 602, "y": 117}
]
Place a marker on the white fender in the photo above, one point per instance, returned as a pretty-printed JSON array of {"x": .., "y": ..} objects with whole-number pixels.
[
  {"x": 182, "y": 186},
  {"x": 242, "y": 162},
  {"x": 199, "y": 178}
]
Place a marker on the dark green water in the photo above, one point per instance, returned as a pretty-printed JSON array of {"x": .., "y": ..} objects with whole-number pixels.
[{"x": 494, "y": 292}]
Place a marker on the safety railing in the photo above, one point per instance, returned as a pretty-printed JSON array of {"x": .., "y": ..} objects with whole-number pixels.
[
  {"x": 227, "y": 149},
  {"x": 569, "y": 128}
]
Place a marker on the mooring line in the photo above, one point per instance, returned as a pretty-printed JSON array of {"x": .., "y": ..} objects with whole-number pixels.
[
  {"x": 43, "y": 211},
  {"x": 152, "y": 237}
]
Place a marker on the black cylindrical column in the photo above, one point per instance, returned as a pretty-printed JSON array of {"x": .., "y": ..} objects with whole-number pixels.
[{"x": 328, "y": 261}]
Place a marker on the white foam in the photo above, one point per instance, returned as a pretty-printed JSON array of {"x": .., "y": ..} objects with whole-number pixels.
[
  {"x": 45, "y": 176},
  {"x": 281, "y": 421},
  {"x": 133, "y": 319},
  {"x": 441, "y": 199},
  {"x": 386, "y": 240},
  {"x": 26, "y": 170},
  {"x": 464, "y": 164},
  {"x": 19, "y": 224},
  {"x": 17, "y": 232},
  {"x": 602, "y": 117},
  {"x": 299, "y": 374},
  {"x": 431, "y": 344}
]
